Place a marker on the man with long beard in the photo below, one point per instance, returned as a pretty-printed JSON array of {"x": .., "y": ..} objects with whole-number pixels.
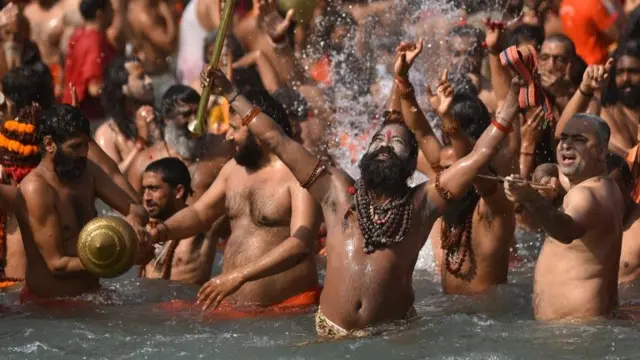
[
  {"x": 57, "y": 199},
  {"x": 621, "y": 108},
  {"x": 378, "y": 224},
  {"x": 269, "y": 259},
  {"x": 204, "y": 156},
  {"x": 167, "y": 185}
]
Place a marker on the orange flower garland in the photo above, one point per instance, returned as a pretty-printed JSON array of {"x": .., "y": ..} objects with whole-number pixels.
[
  {"x": 17, "y": 147},
  {"x": 14, "y": 126}
]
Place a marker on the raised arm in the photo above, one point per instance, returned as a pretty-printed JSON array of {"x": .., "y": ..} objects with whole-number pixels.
[
  {"x": 103, "y": 160},
  {"x": 305, "y": 223},
  {"x": 592, "y": 81},
  {"x": 500, "y": 76},
  {"x": 199, "y": 217},
  {"x": 455, "y": 181},
  {"x": 302, "y": 163},
  {"x": 38, "y": 199},
  {"x": 562, "y": 225}
]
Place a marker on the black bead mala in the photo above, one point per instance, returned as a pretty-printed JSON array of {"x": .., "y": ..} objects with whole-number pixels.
[{"x": 382, "y": 225}]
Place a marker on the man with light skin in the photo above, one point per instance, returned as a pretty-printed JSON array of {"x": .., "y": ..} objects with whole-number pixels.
[
  {"x": 269, "y": 257},
  {"x": 377, "y": 225},
  {"x": 576, "y": 276}
]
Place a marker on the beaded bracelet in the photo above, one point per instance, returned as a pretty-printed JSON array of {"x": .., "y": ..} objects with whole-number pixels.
[
  {"x": 445, "y": 194},
  {"x": 317, "y": 170},
  {"x": 251, "y": 115}
]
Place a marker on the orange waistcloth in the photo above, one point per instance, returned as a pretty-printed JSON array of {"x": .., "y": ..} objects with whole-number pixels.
[
  {"x": 56, "y": 73},
  {"x": 226, "y": 311},
  {"x": 27, "y": 297},
  {"x": 632, "y": 161}
]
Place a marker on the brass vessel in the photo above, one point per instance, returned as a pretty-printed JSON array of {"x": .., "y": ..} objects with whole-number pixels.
[
  {"x": 107, "y": 246},
  {"x": 303, "y": 9}
]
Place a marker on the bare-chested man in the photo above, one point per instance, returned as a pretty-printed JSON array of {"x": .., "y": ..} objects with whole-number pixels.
[
  {"x": 471, "y": 241},
  {"x": 377, "y": 225},
  {"x": 205, "y": 156},
  {"x": 465, "y": 46},
  {"x": 127, "y": 89},
  {"x": 166, "y": 186},
  {"x": 46, "y": 18},
  {"x": 153, "y": 34},
  {"x": 576, "y": 276},
  {"x": 57, "y": 200},
  {"x": 269, "y": 258},
  {"x": 621, "y": 108}
]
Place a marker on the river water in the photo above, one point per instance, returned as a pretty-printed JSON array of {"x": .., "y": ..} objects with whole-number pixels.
[{"x": 129, "y": 326}]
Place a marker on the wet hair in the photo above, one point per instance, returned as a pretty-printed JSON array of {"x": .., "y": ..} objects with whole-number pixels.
[
  {"x": 89, "y": 8},
  {"x": 462, "y": 83},
  {"x": 467, "y": 31},
  {"x": 610, "y": 93},
  {"x": 525, "y": 33},
  {"x": 62, "y": 122},
  {"x": 393, "y": 117},
  {"x": 294, "y": 103},
  {"x": 174, "y": 172},
  {"x": 24, "y": 85},
  {"x": 271, "y": 107},
  {"x": 174, "y": 95},
  {"x": 471, "y": 113},
  {"x": 602, "y": 130},
  {"x": 116, "y": 76}
]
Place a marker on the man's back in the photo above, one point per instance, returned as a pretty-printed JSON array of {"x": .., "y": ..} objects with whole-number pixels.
[{"x": 579, "y": 280}]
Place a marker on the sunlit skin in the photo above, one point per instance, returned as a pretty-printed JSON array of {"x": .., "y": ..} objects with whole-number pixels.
[
  {"x": 192, "y": 260},
  {"x": 55, "y": 211},
  {"x": 576, "y": 276}
]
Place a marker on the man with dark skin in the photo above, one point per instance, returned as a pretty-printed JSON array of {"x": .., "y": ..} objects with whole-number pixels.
[
  {"x": 57, "y": 199},
  {"x": 576, "y": 276},
  {"x": 377, "y": 225},
  {"x": 620, "y": 105},
  {"x": 166, "y": 186},
  {"x": 204, "y": 156},
  {"x": 269, "y": 258}
]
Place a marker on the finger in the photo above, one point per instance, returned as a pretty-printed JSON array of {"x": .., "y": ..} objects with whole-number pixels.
[
  {"x": 448, "y": 92},
  {"x": 445, "y": 74},
  {"x": 204, "y": 288},
  {"x": 218, "y": 300},
  {"x": 609, "y": 64},
  {"x": 210, "y": 301},
  {"x": 429, "y": 91},
  {"x": 289, "y": 18}
]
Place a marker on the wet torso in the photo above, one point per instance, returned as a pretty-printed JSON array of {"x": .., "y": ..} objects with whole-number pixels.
[
  {"x": 364, "y": 289},
  {"x": 191, "y": 262},
  {"x": 258, "y": 205},
  {"x": 74, "y": 205},
  {"x": 579, "y": 280},
  {"x": 630, "y": 254},
  {"x": 47, "y": 28}
]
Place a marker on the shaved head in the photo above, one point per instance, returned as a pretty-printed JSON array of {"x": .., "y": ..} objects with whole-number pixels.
[{"x": 602, "y": 130}]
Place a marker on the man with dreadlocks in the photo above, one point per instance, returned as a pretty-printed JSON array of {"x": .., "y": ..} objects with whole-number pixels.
[
  {"x": 377, "y": 224},
  {"x": 472, "y": 240},
  {"x": 126, "y": 98}
]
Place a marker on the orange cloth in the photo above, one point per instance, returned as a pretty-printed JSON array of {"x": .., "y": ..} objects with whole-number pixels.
[
  {"x": 321, "y": 71},
  {"x": 226, "y": 311},
  {"x": 56, "y": 73},
  {"x": 585, "y": 21},
  {"x": 8, "y": 284},
  {"x": 632, "y": 161},
  {"x": 27, "y": 297}
]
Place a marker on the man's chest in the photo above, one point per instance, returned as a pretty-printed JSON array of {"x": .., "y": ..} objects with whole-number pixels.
[{"x": 266, "y": 199}]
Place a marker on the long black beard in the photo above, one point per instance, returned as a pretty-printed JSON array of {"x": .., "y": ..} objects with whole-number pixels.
[
  {"x": 385, "y": 177},
  {"x": 630, "y": 99},
  {"x": 249, "y": 154},
  {"x": 67, "y": 168}
]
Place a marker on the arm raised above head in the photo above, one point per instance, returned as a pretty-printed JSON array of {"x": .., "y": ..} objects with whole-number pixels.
[
  {"x": 303, "y": 164},
  {"x": 455, "y": 181}
]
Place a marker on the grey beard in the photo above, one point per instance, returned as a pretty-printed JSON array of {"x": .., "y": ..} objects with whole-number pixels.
[{"x": 180, "y": 140}]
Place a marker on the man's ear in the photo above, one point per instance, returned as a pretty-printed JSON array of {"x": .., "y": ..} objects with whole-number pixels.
[
  {"x": 178, "y": 192},
  {"x": 50, "y": 146}
]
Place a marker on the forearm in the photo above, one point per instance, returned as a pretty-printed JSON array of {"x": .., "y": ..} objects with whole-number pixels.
[
  {"x": 459, "y": 140},
  {"x": 282, "y": 258},
  {"x": 66, "y": 265},
  {"x": 527, "y": 160},
  {"x": 187, "y": 223},
  {"x": 500, "y": 78},
  {"x": 417, "y": 121},
  {"x": 555, "y": 223},
  {"x": 8, "y": 198}
]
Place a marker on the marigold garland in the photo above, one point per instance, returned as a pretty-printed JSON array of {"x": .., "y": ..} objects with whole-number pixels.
[
  {"x": 17, "y": 147},
  {"x": 22, "y": 128}
]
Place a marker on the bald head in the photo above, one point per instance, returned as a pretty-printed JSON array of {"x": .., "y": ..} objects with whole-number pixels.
[{"x": 601, "y": 128}]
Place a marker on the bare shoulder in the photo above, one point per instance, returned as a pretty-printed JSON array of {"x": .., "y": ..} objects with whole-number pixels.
[
  {"x": 423, "y": 202},
  {"x": 36, "y": 190}
]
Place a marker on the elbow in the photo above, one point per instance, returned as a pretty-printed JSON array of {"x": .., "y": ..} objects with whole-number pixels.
[{"x": 57, "y": 267}]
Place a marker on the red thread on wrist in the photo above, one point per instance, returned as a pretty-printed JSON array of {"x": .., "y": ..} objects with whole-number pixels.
[{"x": 501, "y": 127}]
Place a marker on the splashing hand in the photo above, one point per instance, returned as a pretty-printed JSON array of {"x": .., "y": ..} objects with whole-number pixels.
[
  {"x": 215, "y": 290},
  {"x": 270, "y": 20},
  {"x": 406, "y": 54},
  {"x": 594, "y": 77},
  {"x": 442, "y": 100}
]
